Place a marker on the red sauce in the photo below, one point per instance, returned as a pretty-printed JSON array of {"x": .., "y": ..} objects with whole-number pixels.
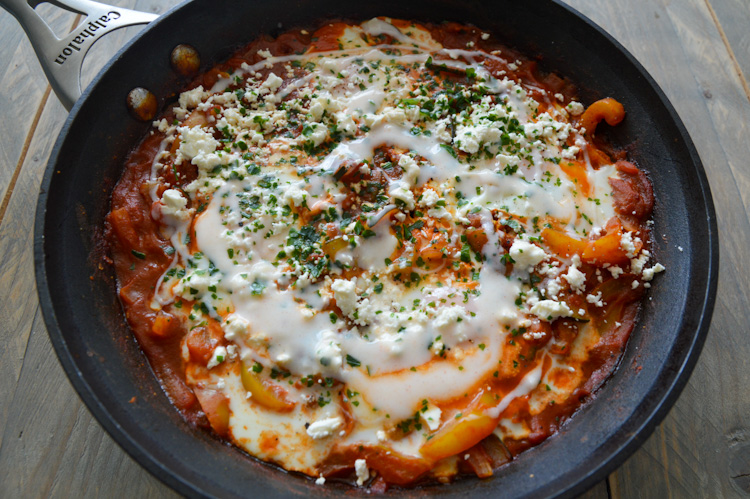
[{"x": 141, "y": 255}]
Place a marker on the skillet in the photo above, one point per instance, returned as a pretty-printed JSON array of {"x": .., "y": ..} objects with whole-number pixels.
[{"x": 88, "y": 331}]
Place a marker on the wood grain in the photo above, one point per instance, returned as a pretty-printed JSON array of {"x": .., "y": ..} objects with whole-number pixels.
[
  {"x": 19, "y": 303},
  {"x": 680, "y": 45},
  {"x": 733, "y": 20},
  {"x": 24, "y": 84},
  {"x": 51, "y": 446},
  {"x": 72, "y": 458},
  {"x": 598, "y": 491}
]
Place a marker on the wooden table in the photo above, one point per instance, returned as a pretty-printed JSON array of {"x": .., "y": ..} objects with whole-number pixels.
[{"x": 697, "y": 50}]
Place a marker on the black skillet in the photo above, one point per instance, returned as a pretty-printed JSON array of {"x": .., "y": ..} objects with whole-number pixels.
[{"x": 110, "y": 373}]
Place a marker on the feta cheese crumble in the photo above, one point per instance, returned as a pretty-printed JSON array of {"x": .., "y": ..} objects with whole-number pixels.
[
  {"x": 363, "y": 474},
  {"x": 364, "y": 241},
  {"x": 324, "y": 427}
]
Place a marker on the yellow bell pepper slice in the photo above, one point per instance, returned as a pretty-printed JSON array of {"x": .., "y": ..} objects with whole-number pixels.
[
  {"x": 463, "y": 431},
  {"x": 262, "y": 394}
]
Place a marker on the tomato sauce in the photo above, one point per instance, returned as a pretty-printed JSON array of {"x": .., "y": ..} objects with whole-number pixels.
[{"x": 142, "y": 254}]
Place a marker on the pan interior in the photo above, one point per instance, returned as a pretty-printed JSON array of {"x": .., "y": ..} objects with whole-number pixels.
[{"x": 86, "y": 323}]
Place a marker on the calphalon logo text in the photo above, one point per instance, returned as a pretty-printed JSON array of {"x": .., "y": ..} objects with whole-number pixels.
[{"x": 88, "y": 32}]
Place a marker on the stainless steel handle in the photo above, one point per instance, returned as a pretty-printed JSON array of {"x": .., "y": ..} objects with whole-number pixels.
[{"x": 62, "y": 59}]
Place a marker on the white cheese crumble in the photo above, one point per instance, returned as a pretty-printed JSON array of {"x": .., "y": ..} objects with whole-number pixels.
[
  {"x": 526, "y": 255},
  {"x": 325, "y": 427},
  {"x": 637, "y": 264},
  {"x": 363, "y": 474},
  {"x": 648, "y": 274},
  {"x": 161, "y": 125},
  {"x": 191, "y": 98},
  {"x": 575, "y": 108},
  {"x": 595, "y": 299},
  {"x": 410, "y": 168},
  {"x": 570, "y": 152},
  {"x": 173, "y": 205},
  {"x": 533, "y": 335},
  {"x": 217, "y": 357},
  {"x": 553, "y": 288},
  {"x": 627, "y": 244},
  {"x": 295, "y": 196},
  {"x": 616, "y": 271},
  {"x": 272, "y": 82},
  {"x": 431, "y": 417},
  {"x": 400, "y": 191},
  {"x": 429, "y": 198},
  {"x": 549, "y": 310},
  {"x": 450, "y": 315},
  {"x": 199, "y": 146},
  {"x": 575, "y": 277},
  {"x": 345, "y": 293}
]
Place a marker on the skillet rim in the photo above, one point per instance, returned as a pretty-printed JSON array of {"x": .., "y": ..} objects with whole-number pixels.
[{"x": 582, "y": 481}]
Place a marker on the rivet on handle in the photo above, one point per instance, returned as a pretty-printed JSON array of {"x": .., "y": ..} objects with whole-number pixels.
[
  {"x": 142, "y": 104},
  {"x": 61, "y": 59},
  {"x": 185, "y": 59}
]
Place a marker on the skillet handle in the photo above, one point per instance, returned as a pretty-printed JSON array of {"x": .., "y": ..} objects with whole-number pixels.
[{"x": 62, "y": 59}]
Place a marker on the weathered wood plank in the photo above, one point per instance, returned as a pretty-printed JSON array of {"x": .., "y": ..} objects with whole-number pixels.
[
  {"x": 699, "y": 447},
  {"x": 598, "y": 491},
  {"x": 23, "y": 83},
  {"x": 733, "y": 17},
  {"x": 18, "y": 299},
  {"x": 73, "y": 457},
  {"x": 50, "y": 444}
]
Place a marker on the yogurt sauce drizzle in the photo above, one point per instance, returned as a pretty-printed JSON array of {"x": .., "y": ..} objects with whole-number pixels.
[{"x": 280, "y": 315}]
